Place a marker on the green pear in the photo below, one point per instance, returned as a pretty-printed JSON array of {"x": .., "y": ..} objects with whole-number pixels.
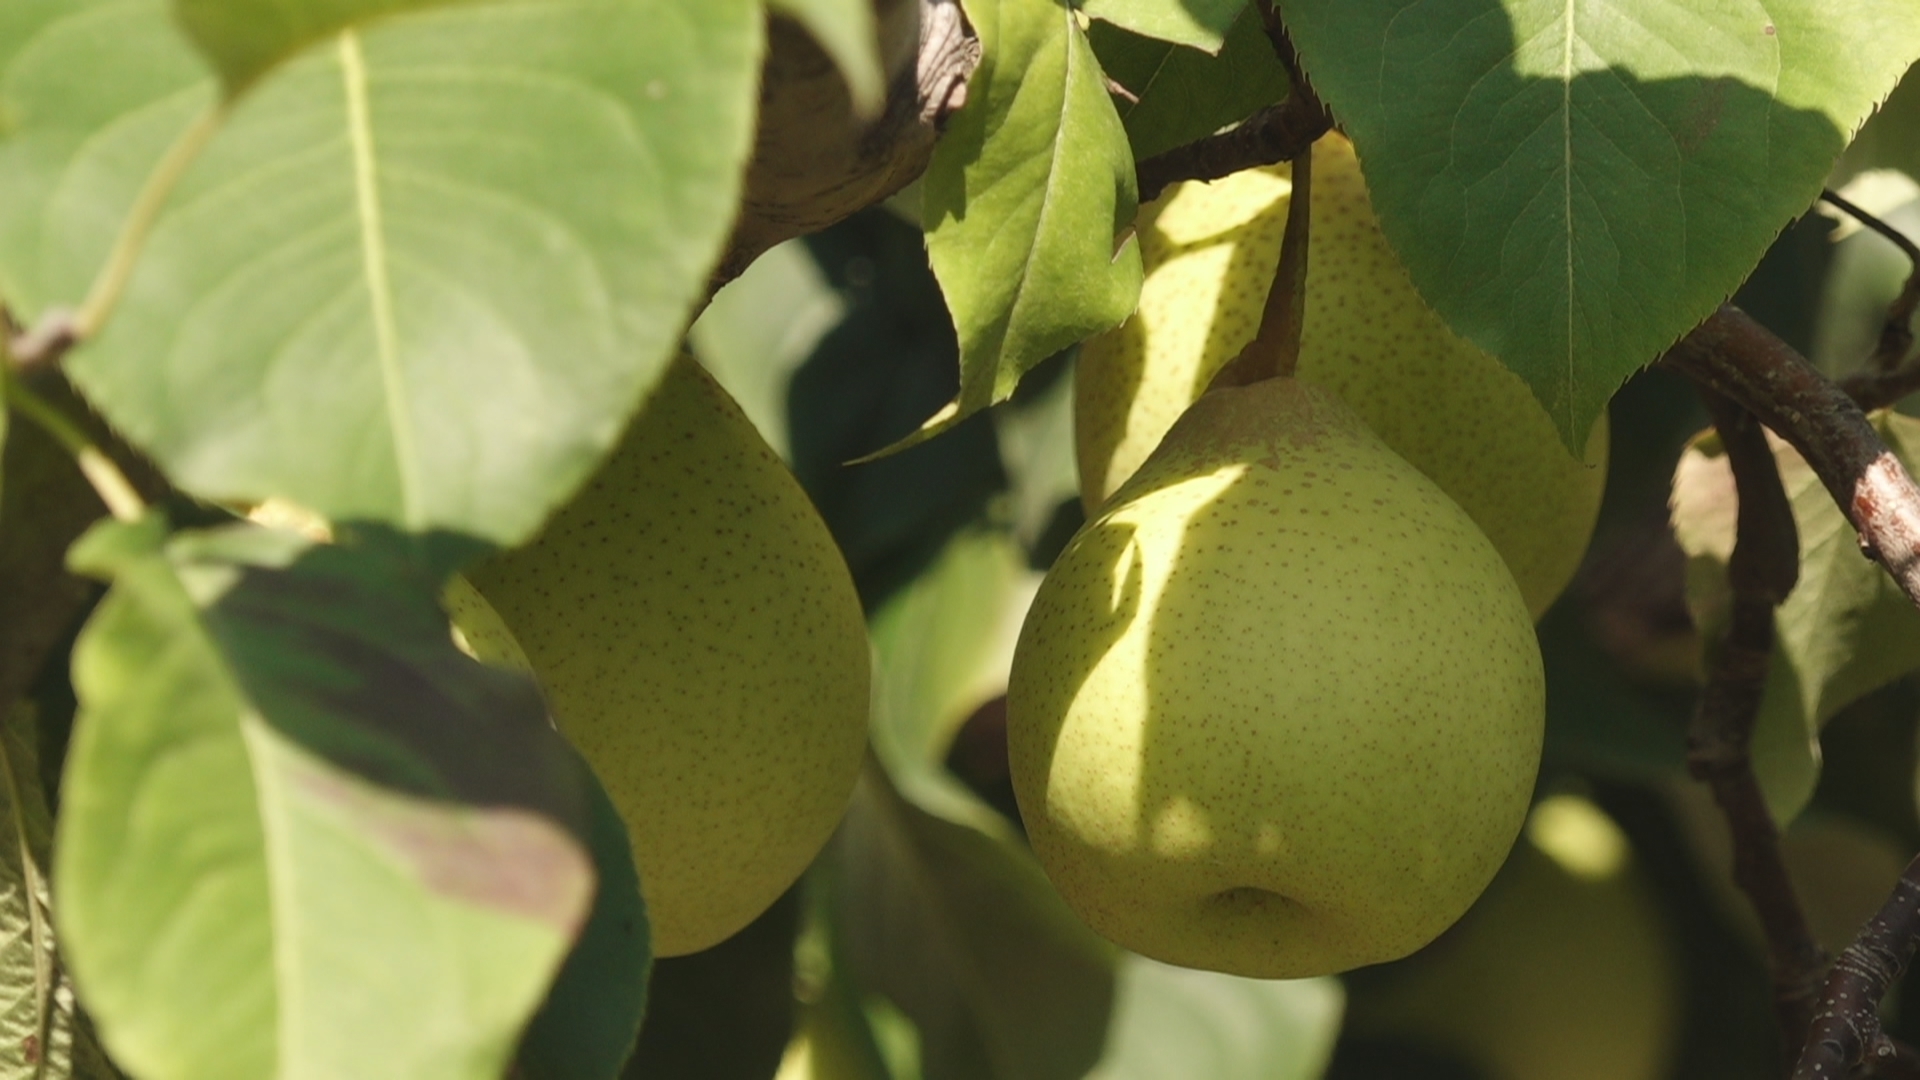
[
  {"x": 1564, "y": 970},
  {"x": 1277, "y": 710},
  {"x": 1439, "y": 401},
  {"x": 699, "y": 639}
]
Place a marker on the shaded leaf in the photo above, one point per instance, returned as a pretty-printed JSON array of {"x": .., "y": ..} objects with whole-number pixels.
[
  {"x": 1575, "y": 186},
  {"x": 845, "y": 30},
  {"x": 1201, "y": 24},
  {"x": 762, "y": 326},
  {"x": 1846, "y": 629},
  {"x": 942, "y": 645},
  {"x": 1185, "y": 94},
  {"x": 1866, "y": 274},
  {"x": 1171, "y": 1021},
  {"x": 1027, "y": 192},
  {"x": 422, "y": 275},
  {"x": 1890, "y": 139},
  {"x": 587, "y": 1027},
  {"x": 290, "y": 795},
  {"x": 964, "y": 934}
]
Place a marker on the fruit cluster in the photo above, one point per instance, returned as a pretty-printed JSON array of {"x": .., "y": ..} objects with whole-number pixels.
[{"x": 1277, "y": 708}]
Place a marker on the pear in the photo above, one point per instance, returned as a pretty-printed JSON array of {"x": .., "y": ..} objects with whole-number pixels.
[
  {"x": 1277, "y": 710},
  {"x": 699, "y": 640},
  {"x": 1564, "y": 970},
  {"x": 1439, "y": 401}
]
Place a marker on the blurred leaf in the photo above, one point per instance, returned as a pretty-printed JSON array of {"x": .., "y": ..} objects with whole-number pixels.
[
  {"x": 243, "y": 38},
  {"x": 290, "y": 795},
  {"x": 758, "y": 330},
  {"x": 964, "y": 934},
  {"x": 421, "y": 276},
  {"x": 724, "y": 1013},
  {"x": 1036, "y": 445},
  {"x": 942, "y": 645},
  {"x": 870, "y": 381},
  {"x": 845, "y": 30},
  {"x": 587, "y": 1027},
  {"x": 93, "y": 93},
  {"x": 1543, "y": 133},
  {"x": 40, "y": 1038},
  {"x": 1866, "y": 275},
  {"x": 1172, "y": 1021},
  {"x": 1845, "y": 629},
  {"x": 1890, "y": 139},
  {"x": 1027, "y": 203},
  {"x": 1185, "y": 94},
  {"x": 1202, "y": 24}
]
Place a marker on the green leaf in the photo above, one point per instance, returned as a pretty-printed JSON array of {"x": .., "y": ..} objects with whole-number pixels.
[
  {"x": 292, "y": 809},
  {"x": 1024, "y": 199},
  {"x": 40, "y": 1037},
  {"x": 244, "y": 38},
  {"x": 1890, "y": 139},
  {"x": 1173, "y": 1021},
  {"x": 1574, "y": 186},
  {"x": 762, "y": 326},
  {"x": 942, "y": 646},
  {"x": 964, "y": 934},
  {"x": 1845, "y": 630},
  {"x": 846, "y": 31},
  {"x": 1201, "y": 24},
  {"x": 587, "y": 1027},
  {"x": 422, "y": 275},
  {"x": 1185, "y": 94},
  {"x": 76, "y": 146}
]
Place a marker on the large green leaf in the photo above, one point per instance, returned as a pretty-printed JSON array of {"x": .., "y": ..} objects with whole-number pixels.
[
  {"x": 40, "y": 1036},
  {"x": 1024, "y": 199},
  {"x": 292, "y": 809},
  {"x": 1201, "y": 24},
  {"x": 964, "y": 934},
  {"x": 423, "y": 274},
  {"x": 92, "y": 95},
  {"x": 1184, "y": 94},
  {"x": 1573, "y": 186},
  {"x": 1171, "y": 1021}
]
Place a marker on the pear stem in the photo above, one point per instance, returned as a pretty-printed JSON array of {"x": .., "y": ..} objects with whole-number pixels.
[{"x": 1274, "y": 351}]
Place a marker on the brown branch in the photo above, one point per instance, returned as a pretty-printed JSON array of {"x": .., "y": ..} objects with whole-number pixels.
[
  {"x": 1846, "y": 1029},
  {"x": 1274, "y": 134},
  {"x": 1761, "y": 572},
  {"x": 43, "y": 345},
  {"x": 1744, "y": 361},
  {"x": 1883, "y": 381}
]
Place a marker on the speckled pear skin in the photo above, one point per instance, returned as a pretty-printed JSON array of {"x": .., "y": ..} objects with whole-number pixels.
[
  {"x": 700, "y": 641},
  {"x": 1439, "y": 401},
  {"x": 1277, "y": 711}
]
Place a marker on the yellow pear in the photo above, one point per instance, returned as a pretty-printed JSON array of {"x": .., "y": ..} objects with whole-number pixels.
[
  {"x": 699, "y": 639},
  {"x": 1439, "y": 401},
  {"x": 1563, "y": 971},
  {"x": 1277, "y": 710}
]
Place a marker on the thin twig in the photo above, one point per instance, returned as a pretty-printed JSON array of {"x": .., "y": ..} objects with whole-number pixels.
[
  {"x": 1883, "y": 381},
  {"x": 1846, "y": 1029},
  {"x": 1274, "y": 134},
  {"x": 1761, "y": 572},
  {"x": 1744, "y": 361}
]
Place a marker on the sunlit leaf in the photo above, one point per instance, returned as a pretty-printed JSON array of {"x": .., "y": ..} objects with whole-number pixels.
[
  {"x": 1171, "y": 1021},
  {"x": 1183, "y": 94},
  {"x": 1201, "y": 24},
  {"x": 1026, "y": 201},
  {"x": 1573, "y": 186}
]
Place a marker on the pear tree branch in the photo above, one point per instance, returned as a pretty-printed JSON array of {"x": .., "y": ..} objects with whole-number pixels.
[
  {"x": 1761, "y": 572},
  {"x": 1846, "y": 1029}
]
